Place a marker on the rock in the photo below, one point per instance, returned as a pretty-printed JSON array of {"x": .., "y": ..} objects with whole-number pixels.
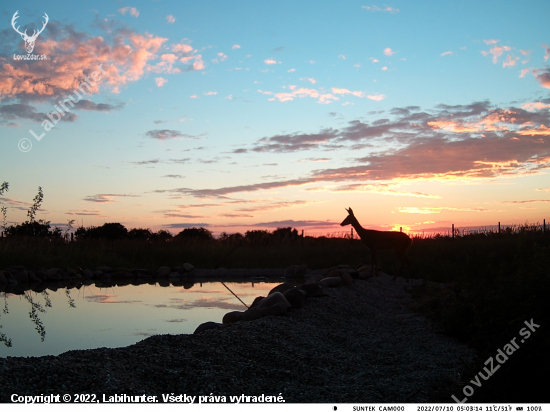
[
  {"x": 33, "y": 278},
  {"x": 283, "y": 287},
  {"x": 178, "y": 269},
  {"x": 163, "y": 271},
  {"x": 104, "y": 269},
  {"x": 174, "y": 275},
  {"x": 346, "y": 279},
  {"x": 331, "y": 282},
  {"x": 274, "y": 298},
  {"x": 98, "y": 274},
  {"x": 295, "y": 271},
  {"x": 52, "y": 274},
  {"x": 277, "y": 309},
  {"x": 354, "y": 274},
  {"x": 257, "y": 301},
  {"x": 252, "y": 314},
  {"x": 206, "y": 326},
  {"x": 70, "y": 271},
  {"x": 232, "y": 317},
  {"x": 188, "y": 267},
  {"x": 21, "y": 276},
  {"x": 364, "y": 272},
  {"x": 3, "y": 279},
  {"x": 313, "y": 290},
  {"x": 41, "y": 274},
  {"x": 64, "y": 275},
  {"x": 140, "y": 272},
  {"x": 87, "y": 273},
  {"x": 295, "y": 297},
  {"x": 335, "y": 273}
]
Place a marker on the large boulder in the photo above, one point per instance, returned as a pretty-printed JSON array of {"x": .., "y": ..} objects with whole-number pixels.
[
  {"x": 331, "y": 282},
  {"x": 252, "y": 314},
  {"x": 206, "y": 326},
  {"x": 163, "y": 271},
  {"x": 283, "y": 287},
  {"x": 277, "y": 309},
  {"x": 312, "y": 290},
  {"x": 274, "y": 298},
  {"x": 295, "y": 297},
  {"x": 232, "y": 317},
  {"x": 21, "y": 276},
  {"x": 257, "y": 301}
]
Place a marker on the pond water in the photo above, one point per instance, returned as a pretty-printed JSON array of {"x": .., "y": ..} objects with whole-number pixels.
[{"x": 53, "y": 322}]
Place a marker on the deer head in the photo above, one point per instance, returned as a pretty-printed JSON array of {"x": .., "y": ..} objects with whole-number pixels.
[
  {"x": 348, "y": 220},
  {"x": 29, "y": 40}
]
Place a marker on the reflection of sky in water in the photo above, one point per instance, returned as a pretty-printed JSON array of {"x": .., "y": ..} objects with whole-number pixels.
[{"x": 116, "y": 316}]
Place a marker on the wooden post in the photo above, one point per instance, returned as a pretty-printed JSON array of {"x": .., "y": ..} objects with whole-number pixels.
[
  {"x": 453, "y": 235},
  {"x": 499, "y": 228},
  {"x": 400, "y": 229},
  {"x": 543, "y": 226}
]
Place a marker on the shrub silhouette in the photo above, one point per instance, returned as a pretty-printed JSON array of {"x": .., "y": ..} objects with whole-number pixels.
[
  {"x": 194, "y": 234},
  {"x": 110, "y": 231}
]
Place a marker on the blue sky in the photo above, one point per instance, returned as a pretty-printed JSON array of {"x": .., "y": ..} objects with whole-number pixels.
[{"x": 255, "y": 115}]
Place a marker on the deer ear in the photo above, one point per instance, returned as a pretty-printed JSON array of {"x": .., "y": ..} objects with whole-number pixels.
[{"x": 350, "y": 211}]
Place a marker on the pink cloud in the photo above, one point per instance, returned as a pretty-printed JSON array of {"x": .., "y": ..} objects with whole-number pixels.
[
  {"x": 271, "y": 61},
  {"x": 446, "y": 53},
  {"x": 170, "y": 19},
  {"x": 496, "y": 52},
  {"x": 490, "y": 41},
  {"x": 346, "y": 91},
  {"x": 309, "y": 79},
  {"x": 376, "y": 97},
  {"x": 389, "y": 52},
  {"x": 543, "y": 77},
  {"x": 524, "y": 72},
  {"x": 546, "y": 51},
  {"x": 535, "y": 106},
  {"x": 127, "y": 58},
  {"x": 510, "y": 61},
  {"x": 376, "y": 8},
  {"x": 236, "y": 46},
  {"x": 132, "y": 10},
  {"x": 323, "y": 98},
  {"x": 160, "y": 81}
]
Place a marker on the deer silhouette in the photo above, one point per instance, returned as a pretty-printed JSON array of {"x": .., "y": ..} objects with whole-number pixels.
[{"x": 375, "y": 239}]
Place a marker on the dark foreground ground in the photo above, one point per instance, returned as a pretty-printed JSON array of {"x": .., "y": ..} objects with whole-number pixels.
[{"x": 359, "y": 344}]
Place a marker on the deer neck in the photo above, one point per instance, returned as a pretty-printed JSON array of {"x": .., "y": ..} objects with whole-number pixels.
[{"x": 358, "y": 228}]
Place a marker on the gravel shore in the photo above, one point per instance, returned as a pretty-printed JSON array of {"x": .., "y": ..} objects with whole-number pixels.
[{"x": 359, "y": 344}]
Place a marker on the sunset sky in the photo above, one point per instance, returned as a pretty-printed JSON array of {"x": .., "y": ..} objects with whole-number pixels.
[{"x": 242, "y": 115}]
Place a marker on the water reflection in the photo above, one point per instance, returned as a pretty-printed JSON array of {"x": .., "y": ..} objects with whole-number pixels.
[{"x": 112, "y": 314}]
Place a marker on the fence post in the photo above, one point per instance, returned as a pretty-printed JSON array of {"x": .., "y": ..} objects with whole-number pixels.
[
  {"x": 543, "y": 226},
  {"x": 453, "y": 235},
  {"x": 400, "y": 229},
  {"x": 499, "y": 228}
]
